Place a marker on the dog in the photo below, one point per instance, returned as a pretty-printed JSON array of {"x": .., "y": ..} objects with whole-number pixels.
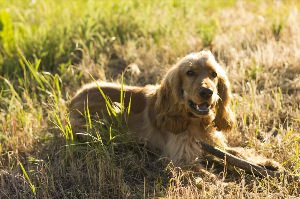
[{"x": 191, "y": 104}]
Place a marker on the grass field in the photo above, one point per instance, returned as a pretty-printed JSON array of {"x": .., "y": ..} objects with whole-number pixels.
[{"x": 49, "y": 48}]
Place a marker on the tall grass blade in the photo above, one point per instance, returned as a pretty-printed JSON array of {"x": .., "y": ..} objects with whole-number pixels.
[
  {"x": 11, "y": 88},
  {"x": 88, "y": 115},
  {"x": 33, "y": 70},
  {"x": 27, "y": 178}
]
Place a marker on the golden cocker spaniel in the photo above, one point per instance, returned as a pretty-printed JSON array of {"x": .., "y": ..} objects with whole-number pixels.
[{"x": 191, "y": 104}]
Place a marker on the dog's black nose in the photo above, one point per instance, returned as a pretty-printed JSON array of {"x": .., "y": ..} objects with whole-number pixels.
[{"x": 206, "y": 93}]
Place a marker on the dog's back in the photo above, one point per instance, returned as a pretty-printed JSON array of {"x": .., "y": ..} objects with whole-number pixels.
[
  {"x": 140, "y": 99},
  {"x": 94, "y": 97}
]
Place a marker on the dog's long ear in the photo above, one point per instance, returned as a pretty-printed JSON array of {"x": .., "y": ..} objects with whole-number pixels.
[
  {"x": 224, "y": 117},
  {"x": 168, "y": 104},
  {"x": 172, "y": 84}
]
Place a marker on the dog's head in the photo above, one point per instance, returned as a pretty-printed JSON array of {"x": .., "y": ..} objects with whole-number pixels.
[{"x": 198, "y": 87}]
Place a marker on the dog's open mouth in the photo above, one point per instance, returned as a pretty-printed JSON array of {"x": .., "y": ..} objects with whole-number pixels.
[{"x": 201, "y": 109}]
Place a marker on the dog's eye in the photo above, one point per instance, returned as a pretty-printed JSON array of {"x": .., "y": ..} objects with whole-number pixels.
[
  {"x": 190, "y": 73},
  {"x": 214, "y": 74}
]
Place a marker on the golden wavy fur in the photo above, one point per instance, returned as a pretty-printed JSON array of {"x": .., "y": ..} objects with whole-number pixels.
[{"x": 192, "y": 103}]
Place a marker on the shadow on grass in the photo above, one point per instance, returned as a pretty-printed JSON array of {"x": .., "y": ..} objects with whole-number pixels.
[
  {"x": 58, "y": 169},
  {"x": 83, "y": 170}
]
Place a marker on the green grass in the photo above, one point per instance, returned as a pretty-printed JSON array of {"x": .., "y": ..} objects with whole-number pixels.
[{"x": 49, "y": 48}]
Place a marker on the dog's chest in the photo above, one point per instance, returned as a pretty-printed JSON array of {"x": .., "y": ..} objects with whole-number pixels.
[{"x": 182, "y": 148}]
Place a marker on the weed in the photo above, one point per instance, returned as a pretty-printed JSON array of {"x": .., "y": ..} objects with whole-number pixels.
[{"x": 277, "y": 29}]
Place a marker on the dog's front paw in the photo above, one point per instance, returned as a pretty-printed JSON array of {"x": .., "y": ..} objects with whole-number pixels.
[{"x": 270, "y": 165}]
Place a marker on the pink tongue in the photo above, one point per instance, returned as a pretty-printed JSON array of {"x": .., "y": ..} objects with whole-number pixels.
[{"x": 202, "y": 107}]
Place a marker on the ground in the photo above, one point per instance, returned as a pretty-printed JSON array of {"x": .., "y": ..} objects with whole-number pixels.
[{"x": 48, "y": 49}]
